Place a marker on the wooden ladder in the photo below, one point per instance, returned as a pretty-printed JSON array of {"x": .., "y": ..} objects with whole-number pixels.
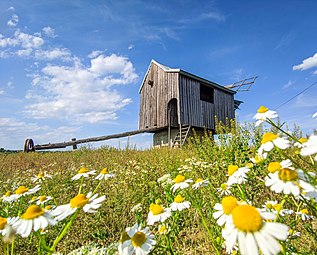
[{"x": 181, "y": 136}]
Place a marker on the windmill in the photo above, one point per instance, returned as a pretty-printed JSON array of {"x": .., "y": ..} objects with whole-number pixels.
[{"x": 243, "y": 85}]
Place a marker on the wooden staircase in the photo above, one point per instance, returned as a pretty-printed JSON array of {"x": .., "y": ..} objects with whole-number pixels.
[{"x": 181, "y": 136}]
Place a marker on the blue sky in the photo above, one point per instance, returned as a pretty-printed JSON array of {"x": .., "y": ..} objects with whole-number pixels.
[{"x": 74, "y": 68}]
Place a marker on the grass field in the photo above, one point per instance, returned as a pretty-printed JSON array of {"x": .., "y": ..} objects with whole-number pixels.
[{"x": 137, "y": 184}]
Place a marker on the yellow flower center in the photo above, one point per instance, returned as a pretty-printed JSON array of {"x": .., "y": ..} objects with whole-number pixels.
[
  {"x": 302, "y": 140},
  {"x": 179, "y": 199},
  {"x": 199, "y": 180},
  {"x": 105, "y": 171},
  {"x": 138, "y": 239},
  {"x": 162, "y": 229},
  {"x": 124, "y": 237},
  {"x": 42, "y": 198},
  {"x": 286, "y": 175},
  {"x": 304, "y": 211},
  {"x": 262, "y": 109},
  {"x": 257, "y": 159},
  {"x": 83, "y": 170},
  {"x": 268, "y": 137},
  {"x": 3, "y": 223},
  {"x": 21, "y": 190},
  {"x": 48, "y": 207},
  {"x": 33, "y": 198},
  {"x": 246, "y": 218},
  {"x": 249, "y": 165},
  {"x": 269, "y": 206},
  {"x": 179, "y": 179},
  {"x": 228, "y": 204},
  {"x": 156, "y": 209},
  {"x": 274, "y": 167},
  {"x": 8, "y": 193},
  {"x": 277, "y": 207},
  {"x": 224, "y": 186},
  {"x": 79, "y": 201},
  {"x": 232, "y": 169},
  {"x": 32, "y": 212},
  {"x": 40, "y": 175}
]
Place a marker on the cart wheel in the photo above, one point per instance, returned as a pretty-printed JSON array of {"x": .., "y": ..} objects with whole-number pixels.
[{"x": 29, "y": 145}]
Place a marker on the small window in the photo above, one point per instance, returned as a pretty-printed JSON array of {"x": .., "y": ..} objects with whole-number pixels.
[{"x": 206, "y": 93}]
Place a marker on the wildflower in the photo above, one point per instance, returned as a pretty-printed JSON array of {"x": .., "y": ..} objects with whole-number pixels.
[
  {"x": 252, "y": 233},
  {"x": 237, "y": 175},
  {"x": 269, "y": 140},
  {"x": 305, "y": 215},
  {"x": 7, "y": 197},
  {"x": 272, "y": 205},
  {"x": 41, "y": 177},
  {"x": 163, "y": 229},
  {"x": 165, "y": 180},
  {"x": 41, "y": 200},
  {"x": 293, "y": 233},
  {"x": 224, "y": 189},
  {"x": 284, "y": 212},
  {"x": 300, "y": 142},
  {"x": 104, "y": 175},
  {"x": 89, "y": 204},
  {"x": 224, "y": 209},
  {"x": 158, "y": 213},
  {"x": 200, "y": 183},
  {"x": 258, "y": 158},
  {"x": 83, "y": 172},
  {"x": 23, "y": 191},
  {"x": 139, "y": 241},
  {"x": 263, "y": 114},
  {"x": 180, "y": 183},
  {"x": 276, "y": 166},
  {"x": 288, "y": 181},
  {"x": 179, "y": 204},
  {"x": 6, "y": 228},
  {"x": 34, "y": 218},
  {"x": 310, "y": 147}
]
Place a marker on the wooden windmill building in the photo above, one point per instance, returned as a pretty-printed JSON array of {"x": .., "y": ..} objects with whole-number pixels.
[{"x": 174, "y": 101}]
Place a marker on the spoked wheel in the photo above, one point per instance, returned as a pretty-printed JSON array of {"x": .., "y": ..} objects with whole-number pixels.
[{"x": 29, "y": 145}]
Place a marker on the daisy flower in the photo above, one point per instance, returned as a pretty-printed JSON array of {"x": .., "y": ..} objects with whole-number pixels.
[
  {"x": 269, "y": 140},
  {"x": 41, "y": 177},
  {"x": 200, "y": 183},
  {"x": 6, "y": 228},
  {"x": 83, "y": 172},
  {"x": 237, "y": 175},
  {"x": 158, "y": 213},
  {"x": 34, "y": 218},
  {"x": 163, "y": 229},
  {"x": 179, "y": 204},
  {"x": 246, "y": 226},
  {"x": 139, "y": 241},
  {"x": 89, "y": 204},
  {"x": 223, "y": 210},
  {"x": 310, "y": 147},
  {"x": 7, "y": 197},
  {"x": 224, "y": 189},
  {"x": 258, "y": 158},
  {"x": 305, "y": 215},
  {"x": 293, "y": 233},
  {"x": 41, "y": 200},
  {"x": 263, "y": 114},
  {"x": 276, "y": 166},
  {"x": 104, "y": 175},
  {"x": 180, "y": 183},
  {"x": 288, "y": 181},
  {"x": 284, "y": 212},
  {"x": 23, "y": 191},
  {"x": 300, "y": 142}
]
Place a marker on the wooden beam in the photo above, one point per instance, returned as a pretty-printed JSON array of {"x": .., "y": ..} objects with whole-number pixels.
[{"x": 74, "y": 142}]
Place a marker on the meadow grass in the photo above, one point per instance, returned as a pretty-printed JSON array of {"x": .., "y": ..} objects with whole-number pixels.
[{"x": 136, "y": 186}]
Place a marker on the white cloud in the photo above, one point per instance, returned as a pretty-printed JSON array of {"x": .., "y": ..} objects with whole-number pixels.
[
  {"x": 81, "y": 94},
  {"x": 13, "y": 22},
  {"x": 50, "y": 32},
  {"x": 56, "y": 53},
  {"x": 306, "y": 100},
  {"x": 1, "y": 91},
  {"x": 131, "y": 46},
  {"x": 11, "y": 8},
  {"x": 212, "y": 15},
  {"x": 288, "y": 84},
  {"x": 95, "y": 53},
  {"x": 307, "y": 63}
]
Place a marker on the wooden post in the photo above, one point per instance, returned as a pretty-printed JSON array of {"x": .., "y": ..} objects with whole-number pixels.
[{"x": 75, "y": 145}]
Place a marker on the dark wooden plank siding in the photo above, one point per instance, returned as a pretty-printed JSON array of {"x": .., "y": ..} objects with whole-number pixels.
[{"x": 198, "y": 113}]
